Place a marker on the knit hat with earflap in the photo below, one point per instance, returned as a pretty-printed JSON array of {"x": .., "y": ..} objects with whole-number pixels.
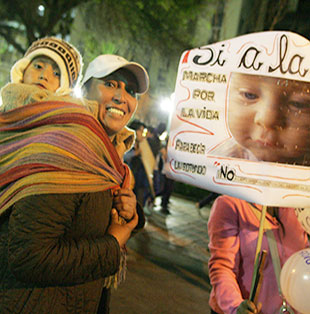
[{"x": 64, "y": 54}]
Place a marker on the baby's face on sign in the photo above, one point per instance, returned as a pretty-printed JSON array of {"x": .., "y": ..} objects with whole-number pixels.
[{"x": 270, "y": 117}]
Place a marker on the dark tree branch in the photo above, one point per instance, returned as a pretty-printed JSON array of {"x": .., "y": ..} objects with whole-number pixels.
[
  {"x": 8, "y": 33},
  {"x": 55, "y": 20}
]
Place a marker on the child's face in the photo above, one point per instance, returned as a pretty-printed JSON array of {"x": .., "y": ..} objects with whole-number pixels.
[
  {"x": 270, "y": 117},
  {"x": 43, "y": 72}
]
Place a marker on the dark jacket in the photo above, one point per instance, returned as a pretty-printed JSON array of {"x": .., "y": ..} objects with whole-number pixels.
[{"x": 55, "y": 252}]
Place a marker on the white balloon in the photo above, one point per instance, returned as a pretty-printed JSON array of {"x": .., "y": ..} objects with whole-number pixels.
[
  {"x": 295, "y": 281},
  {"x": 303, "y": 216}
]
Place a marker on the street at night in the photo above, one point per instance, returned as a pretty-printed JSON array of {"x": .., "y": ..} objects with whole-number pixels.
[{"x": 167, "y": 264}]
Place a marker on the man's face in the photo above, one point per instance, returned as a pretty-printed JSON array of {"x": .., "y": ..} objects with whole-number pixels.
[
  {"x": 116, "y": 95},
  {"x": 270, "y": 117},
  {"x": 44, "y": 73}
]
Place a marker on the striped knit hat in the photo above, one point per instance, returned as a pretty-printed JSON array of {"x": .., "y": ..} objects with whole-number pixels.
[{"x": 64, "y": 54}]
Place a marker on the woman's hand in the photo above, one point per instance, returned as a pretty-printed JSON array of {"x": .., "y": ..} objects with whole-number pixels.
[
  {"x": 125, "y": 203},
  {"x": 248, "y": 307},
  {"x": 121, "y": 231}
]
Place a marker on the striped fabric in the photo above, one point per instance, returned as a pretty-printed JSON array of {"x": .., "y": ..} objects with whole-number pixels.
[{"x": 55, "y": 147}]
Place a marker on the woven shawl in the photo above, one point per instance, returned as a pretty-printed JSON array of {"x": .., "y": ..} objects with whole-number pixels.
[{"x": 55, "y": 147}]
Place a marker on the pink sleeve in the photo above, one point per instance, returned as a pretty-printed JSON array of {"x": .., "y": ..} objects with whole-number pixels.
[{"x": 223, "y": 229}]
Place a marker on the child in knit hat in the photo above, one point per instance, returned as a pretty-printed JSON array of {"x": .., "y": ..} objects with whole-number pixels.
[{"x": 49, "y": 71}]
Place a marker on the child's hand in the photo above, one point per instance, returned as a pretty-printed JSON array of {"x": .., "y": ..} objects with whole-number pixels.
[{"x": 248, "y": 307}]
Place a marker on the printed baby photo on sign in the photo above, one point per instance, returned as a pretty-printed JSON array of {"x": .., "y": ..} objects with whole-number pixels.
[
  {"x": 268, "y": 119},
  {"x": 241, "y": 123}
]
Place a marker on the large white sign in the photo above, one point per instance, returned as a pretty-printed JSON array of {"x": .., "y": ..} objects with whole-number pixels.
[{"x": 241, "y": 124}]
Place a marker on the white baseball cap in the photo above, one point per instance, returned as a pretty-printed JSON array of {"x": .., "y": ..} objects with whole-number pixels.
[{"x": 104, "y": 65}]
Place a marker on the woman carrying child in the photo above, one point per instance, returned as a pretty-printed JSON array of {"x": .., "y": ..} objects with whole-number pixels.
[{"x": 66, "y": 209}]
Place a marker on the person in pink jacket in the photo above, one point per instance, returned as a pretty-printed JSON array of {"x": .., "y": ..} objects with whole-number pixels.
[{"x": 233, "y": 230}]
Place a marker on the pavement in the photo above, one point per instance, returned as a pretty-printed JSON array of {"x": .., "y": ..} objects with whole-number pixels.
[{"x": 167, "y": 263}]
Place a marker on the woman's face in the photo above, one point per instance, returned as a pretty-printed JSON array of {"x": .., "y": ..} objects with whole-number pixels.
[
  {"x": 116, "y": 96},
  {"x": 270, "y": 117}
]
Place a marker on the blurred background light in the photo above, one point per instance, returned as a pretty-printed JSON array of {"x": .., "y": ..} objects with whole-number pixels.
[
  {"x": 41, "y": 10},
  {"x": 167, "y": 104}
]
